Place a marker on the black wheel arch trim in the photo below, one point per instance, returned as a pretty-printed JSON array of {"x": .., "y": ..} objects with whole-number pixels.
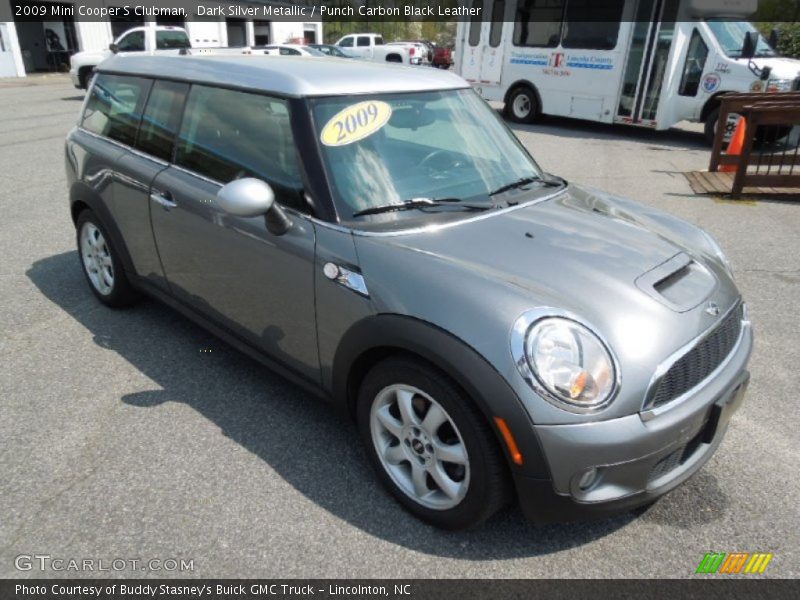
[
  {"x": 382, "y": 334},
  {"x": 81, "y": 194}
]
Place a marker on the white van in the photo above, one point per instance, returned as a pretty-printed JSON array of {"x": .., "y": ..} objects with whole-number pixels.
[{"x": 650, "y": 63}]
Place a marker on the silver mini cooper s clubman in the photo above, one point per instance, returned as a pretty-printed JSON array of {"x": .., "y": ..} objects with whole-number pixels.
[{"x": 378, "y": 235}]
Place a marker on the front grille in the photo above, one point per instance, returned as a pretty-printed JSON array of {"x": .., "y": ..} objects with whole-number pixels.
[{"x": 697, "y": 364}]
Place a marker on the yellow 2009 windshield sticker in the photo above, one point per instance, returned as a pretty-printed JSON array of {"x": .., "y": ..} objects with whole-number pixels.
[{"x": 355, "y": 122}]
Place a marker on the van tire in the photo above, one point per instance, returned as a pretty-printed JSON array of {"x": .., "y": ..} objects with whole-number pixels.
[
  {"x": 522, "y": 105},
  {"x": 765, "y": 136},
  {"x": 84, "y": 77},
  {"x": 710, "y": 127}
]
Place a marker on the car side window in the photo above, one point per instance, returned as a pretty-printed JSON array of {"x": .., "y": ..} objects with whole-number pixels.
[
  {"x": 227, "y": 135},
  {"x": 133, "y": 42},
  {"x": 347, "y": 42},
  {"x": 363, "y": 41},
  {"x": 161, "y": 119},
  {"x": 538, "y": 23},
  {"x": 172, "y": 40},
  {"x": 114, "y": 108},
  {"x": 289, "y": 52}
]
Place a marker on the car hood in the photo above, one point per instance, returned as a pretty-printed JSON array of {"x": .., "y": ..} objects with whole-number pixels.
[
  {"x": 595, "y": 256},
  {"x": 782, "y": 68}
]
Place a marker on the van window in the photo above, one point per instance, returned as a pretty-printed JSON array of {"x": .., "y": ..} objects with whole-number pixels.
[
  {"x": 133, "y": 42},
  {"x": 475, "y": 24},
  {"x": 496, "y": 32},
  {"x": 227, "y": 135},
  {"x": 347, "y": 42},
  {"x": 363, "y": 40},
  {"x": 161, "y": 119},
  {"x": 592, "y": 25},
  {"x": 538, "y": 23},
  {"x": 169, "y": 40},
  {"x": 114, "y": 108},
  {"x": 695, "y": 65}
]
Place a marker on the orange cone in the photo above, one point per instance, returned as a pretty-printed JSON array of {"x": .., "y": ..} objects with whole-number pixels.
[{"x": 736, "y": 145}]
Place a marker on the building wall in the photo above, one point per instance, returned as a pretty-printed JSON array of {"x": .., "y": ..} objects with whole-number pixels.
[{"x": 10, "y": 55}]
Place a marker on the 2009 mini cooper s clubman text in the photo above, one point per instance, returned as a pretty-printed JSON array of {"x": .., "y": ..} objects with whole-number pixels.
[{"x": 377, "y": 234}]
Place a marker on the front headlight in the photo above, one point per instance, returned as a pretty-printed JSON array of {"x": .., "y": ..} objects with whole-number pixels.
[
  {"x": 566, "y": 362},
  {"x": 716, "y": 250},
  {"x": 780, "y": 85}
]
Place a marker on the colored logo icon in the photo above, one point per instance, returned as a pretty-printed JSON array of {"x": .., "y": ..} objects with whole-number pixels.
[{"x": 734, "y": 563}]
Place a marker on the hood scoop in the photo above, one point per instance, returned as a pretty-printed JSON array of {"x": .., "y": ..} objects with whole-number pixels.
[{"x": 680, "y": 283}]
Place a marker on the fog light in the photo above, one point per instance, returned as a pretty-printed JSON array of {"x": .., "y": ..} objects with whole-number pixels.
[{"x": 588, "y": 479}]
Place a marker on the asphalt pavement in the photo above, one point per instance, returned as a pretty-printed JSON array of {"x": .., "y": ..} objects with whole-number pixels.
[{"x": 135, "y": 434}]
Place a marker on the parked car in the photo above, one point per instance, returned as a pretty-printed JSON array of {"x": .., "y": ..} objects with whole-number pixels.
[
  {"x": 379, "y": 236},
  {"x": 424, "y": 46},
  {"x": 289, "y": 50},
  {"x": 372, "y": 47},
  {"x": 332, "y": 51},
  {"x": 417, "y": 51},
  {"x": 442, "y": 57},
  {"x": 138, "y": 40}
]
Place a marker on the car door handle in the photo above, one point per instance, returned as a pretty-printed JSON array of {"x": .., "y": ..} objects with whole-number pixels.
[{"x": 164, "y": 199}]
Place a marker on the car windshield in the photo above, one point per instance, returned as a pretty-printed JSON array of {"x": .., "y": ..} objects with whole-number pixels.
[
  {"x": 391, "y": 148},
  {"x": 731, "y": 34}
]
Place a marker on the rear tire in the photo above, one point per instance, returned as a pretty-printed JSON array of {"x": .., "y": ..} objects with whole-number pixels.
[
  {"x": 522, "y": 105},
  {"x": 101, "y": 264},
  {"x": 430, "y": 446},
  {"x": 84, "y": 77}
]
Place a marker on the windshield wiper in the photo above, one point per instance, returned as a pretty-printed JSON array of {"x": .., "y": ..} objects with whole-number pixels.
[
  {"x": 525, "y": 181},
  {"x": 424, "y": 203}
]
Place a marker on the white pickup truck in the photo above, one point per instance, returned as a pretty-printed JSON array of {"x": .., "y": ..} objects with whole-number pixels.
[
  {"x": 139, "y": 40},
  {"x": 372, "y": 47}
]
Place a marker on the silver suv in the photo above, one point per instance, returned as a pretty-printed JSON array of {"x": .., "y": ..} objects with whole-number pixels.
[{"x": 378, "y": 235}]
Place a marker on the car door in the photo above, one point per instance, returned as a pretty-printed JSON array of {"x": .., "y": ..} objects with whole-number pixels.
[{"x": 231, "y": 269}]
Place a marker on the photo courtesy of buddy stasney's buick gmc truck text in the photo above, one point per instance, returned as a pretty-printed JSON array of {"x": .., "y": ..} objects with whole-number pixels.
[{"x": 377, "y": 234}]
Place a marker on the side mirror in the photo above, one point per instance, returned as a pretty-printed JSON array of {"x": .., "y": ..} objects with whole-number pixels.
[
  {"x": 749, "y": 45},
  {"x": 114, "y": 48},
  {"x": 775, "y": 38},
  {"x": 251, "y": 197}
]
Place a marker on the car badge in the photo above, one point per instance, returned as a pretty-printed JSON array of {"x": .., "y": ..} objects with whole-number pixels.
[{"x": 712, "y": 308}]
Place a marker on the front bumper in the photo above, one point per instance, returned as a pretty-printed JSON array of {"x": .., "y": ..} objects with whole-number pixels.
[{"x": 637, "y": 458}]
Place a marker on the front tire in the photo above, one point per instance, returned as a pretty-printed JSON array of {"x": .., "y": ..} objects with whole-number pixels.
[
  {"x": 430, "y": 446},
  {"x": 522, "y": 105},
  {"x": 100, "y": 263}
]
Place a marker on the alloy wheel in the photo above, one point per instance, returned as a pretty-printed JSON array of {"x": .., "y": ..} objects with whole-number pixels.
[
  {"x": 97, "y": 259},
  {"x": 420, "y": 447}
]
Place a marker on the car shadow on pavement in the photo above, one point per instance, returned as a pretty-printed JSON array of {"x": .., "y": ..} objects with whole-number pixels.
[{"x": 294, "y": 433}]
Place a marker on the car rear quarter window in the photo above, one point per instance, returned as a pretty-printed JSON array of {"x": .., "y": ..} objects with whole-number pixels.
[
  {"x": 227, "y": 135},
  {"x": 114, "y": 107},
  {"x": 161, "y": 119}
]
